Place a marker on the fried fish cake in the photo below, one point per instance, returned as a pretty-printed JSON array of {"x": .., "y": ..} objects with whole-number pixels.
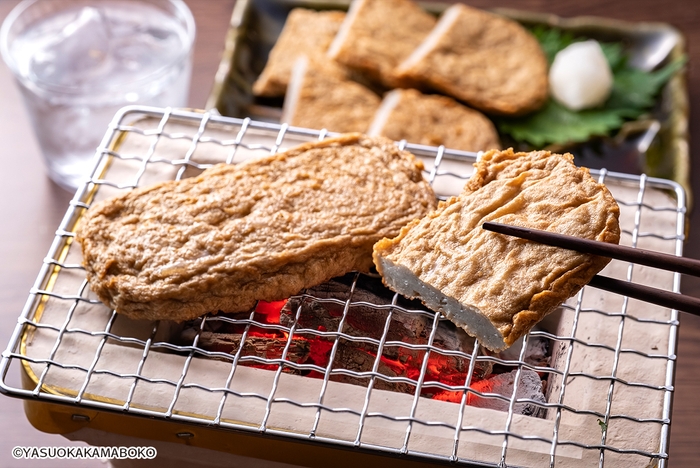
[
  {"x": 407, "y": 114},
  {"x": 306, "y": 32},
  {"x": 377, "y": 35},
  {"x": 494, "y": 286},
  {"x": 320, "y": 97},
  {"x": 485, "y": 60},
  {"x": 260, "y": 230}
]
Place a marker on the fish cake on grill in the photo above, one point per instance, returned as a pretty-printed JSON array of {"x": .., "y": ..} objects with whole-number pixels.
[
  {"x": 494, "y": 286},
  {"x": 260, "y": 230}
]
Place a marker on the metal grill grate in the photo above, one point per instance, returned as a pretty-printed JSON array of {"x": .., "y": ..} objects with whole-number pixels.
[{"x": 600, "y": 410}]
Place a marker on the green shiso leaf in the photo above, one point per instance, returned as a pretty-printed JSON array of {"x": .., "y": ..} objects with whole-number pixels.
[
  {"x": 633, "y": 93},
  {"x": 635, "y": 89},
  {"x": 555, "y": 123},
  {"x": 552, "y": 40},
  {"x": 614, "y": 54}
]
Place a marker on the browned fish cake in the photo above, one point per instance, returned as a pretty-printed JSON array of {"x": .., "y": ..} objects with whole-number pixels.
[
  {"x": 497, "y": 287},
  {"x": 488, "y": 61},
  {"x": 377, "y": 35},
  {"x": 305, "y": 32},
  {"x": 260, "y": 230},
  {"x": 406, "y": 114},
  {"x": 320, "y": 97}
]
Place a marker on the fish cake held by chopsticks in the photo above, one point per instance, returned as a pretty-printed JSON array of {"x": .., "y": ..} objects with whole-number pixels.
[{"x": 497, "y": 287}]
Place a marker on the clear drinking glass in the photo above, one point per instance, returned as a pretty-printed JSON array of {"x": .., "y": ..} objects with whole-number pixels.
[{"x": 78, "y": 61}]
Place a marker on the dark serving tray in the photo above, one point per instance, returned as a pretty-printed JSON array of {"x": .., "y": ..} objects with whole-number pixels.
[{"x": 656, "y": 144}]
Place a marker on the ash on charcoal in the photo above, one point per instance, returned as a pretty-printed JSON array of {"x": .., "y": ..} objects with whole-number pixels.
[
  {"x": 536, "y": 353},
  {"x": 529, "y": 387}
]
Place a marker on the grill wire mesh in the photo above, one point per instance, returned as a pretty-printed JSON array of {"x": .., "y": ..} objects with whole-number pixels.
[{"x": 441, "y": 164}]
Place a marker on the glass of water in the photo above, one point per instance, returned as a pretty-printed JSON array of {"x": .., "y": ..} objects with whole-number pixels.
[{"x": 79, "y": 61}]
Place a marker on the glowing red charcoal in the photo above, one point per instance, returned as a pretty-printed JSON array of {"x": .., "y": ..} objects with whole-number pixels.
[
  {"x": 406, "y": 335},
  {"x": 270, "y": 311}
]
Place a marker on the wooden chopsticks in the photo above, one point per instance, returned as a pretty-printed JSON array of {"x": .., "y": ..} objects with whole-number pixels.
[{"x": 650, "y": 258}]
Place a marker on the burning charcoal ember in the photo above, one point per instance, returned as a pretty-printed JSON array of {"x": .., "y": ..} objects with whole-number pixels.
[
  {"x": 261, "y": 346},
  {"x": 530, "y": 387},
  {"x": 322, "y": 309},
  {"x": 357, "y": 359},
  {"x": 267, "y": 347},
  {"x": 399, "y": 361},
  {"x": 236, "y": 323},
  {"x": 452, "y": 370},
  {"x": 318, "y": 313},
  {"x": 446, "y": 368},
  {"x": 362, "y": 321}
]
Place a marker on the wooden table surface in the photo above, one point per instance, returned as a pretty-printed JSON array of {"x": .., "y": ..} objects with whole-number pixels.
[{"x": 32, "y": 206}]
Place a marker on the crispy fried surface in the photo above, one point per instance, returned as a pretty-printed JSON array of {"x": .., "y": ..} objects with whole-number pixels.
[
  {"x": 377, "y": 35},
  {"x": 514, "y": 283},
  {"x": 319, "y": 97},
  {"x": 260, "y": 230},
  {"x": 305, "y": 32},
  {"x": 488, "y": 61},
  {"x": 437, "y": 120}
]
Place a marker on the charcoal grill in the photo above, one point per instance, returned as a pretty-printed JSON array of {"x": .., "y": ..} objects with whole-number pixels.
[{"x": 609, "y": 379}]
